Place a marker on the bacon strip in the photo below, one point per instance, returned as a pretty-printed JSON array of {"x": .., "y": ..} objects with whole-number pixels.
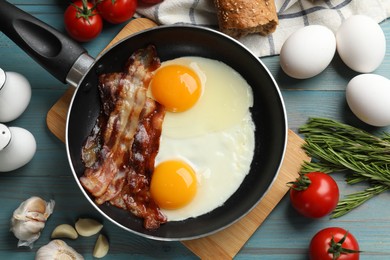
[{"x": 120, "y": 151}]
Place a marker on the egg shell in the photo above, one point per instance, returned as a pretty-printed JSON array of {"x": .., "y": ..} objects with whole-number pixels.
[
  {"x": 15, "y": 96},
  {"x": 19, "y": 151},
  {"x": 361, "y": 43},
  {"x": 308, "y": 51},
  {"x": 368, "y": 97}
]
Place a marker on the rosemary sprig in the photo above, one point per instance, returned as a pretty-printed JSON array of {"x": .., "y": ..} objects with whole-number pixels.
[
  {"x": 321, "y": 167},
  {"x": 339, "y": 147},
  {"x": 354, "y": 200}
]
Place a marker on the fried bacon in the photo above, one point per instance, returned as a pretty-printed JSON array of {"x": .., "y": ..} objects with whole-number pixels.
[{"x": 120, "y": 151}]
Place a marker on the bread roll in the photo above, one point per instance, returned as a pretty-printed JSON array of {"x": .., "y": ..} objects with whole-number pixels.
[{"x": 238, "y": 18}]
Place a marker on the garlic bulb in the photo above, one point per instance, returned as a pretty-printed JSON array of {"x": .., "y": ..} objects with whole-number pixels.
[
  {"x": 57, "y": 250},
  {"x": 29, "y": 219}
]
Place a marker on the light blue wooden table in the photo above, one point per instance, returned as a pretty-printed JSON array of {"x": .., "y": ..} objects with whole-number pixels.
[{"x": 284, "y": 234}]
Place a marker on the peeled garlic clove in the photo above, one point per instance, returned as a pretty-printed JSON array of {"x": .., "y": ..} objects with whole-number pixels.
[
  {"x": 57, "y": 250},
  {"x": 64, "y": 231},
  {"x": 101, "y": 247},
  {"x": 88, "y": 227},
  {"x": 29, "y": 219}
]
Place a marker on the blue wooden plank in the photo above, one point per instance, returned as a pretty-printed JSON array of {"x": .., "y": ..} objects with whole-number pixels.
[
  {"x": 70, "y": 205},
  {"x": 284, "y": 234}
]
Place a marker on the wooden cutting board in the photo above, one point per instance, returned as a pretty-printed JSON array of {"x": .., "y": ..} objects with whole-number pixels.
[{"x": 228, "y": 242}]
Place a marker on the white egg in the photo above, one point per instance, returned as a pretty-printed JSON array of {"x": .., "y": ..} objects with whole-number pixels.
[
  {"x": 368, "y": 97},
  {"x": 15, "y": 95},
  {"x": 361, "y": 43},
  {"x": 218, "y": 145},
  {"x": 308, "y": 51},
  {"x": 18, "y": 151}
]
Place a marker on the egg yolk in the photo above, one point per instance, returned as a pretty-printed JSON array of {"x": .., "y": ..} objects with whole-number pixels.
[
  {"x": 176, "y": 87},
  {"x": 173, "y": 184}
]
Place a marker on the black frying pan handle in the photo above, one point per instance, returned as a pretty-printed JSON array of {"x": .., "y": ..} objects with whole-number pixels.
[{"x": 52, "y": 50}]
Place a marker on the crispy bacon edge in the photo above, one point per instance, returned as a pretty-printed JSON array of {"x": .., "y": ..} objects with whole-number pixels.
[{"x": 120, "y": 151}]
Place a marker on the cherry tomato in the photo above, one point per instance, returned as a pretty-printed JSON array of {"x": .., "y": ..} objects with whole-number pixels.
[
  {"x": 314, "y": 194},
  {"x": 334, "y": 243},
  {"x": 117, "y": 11},
  {"x": 82, "y": 22}
]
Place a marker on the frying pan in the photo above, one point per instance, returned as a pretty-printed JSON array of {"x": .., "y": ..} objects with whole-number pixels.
[{"x": 70, "y": 63}]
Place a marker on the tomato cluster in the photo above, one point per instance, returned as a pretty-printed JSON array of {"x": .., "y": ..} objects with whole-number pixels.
[
  {"x": 84, "y": 19},
  {"x": 315, "y": 195}
]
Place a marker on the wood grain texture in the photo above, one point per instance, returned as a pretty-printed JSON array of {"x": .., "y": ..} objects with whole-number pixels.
[
  {"x": 57, "y": 115},
  {"x": 284, "y": 234},
  {"x": 226, "y": 243}
]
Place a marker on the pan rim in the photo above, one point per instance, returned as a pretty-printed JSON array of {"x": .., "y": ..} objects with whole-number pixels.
[{"x": 280, "y": 157}]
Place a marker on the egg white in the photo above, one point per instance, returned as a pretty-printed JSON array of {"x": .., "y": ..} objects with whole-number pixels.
[
  {"x": 225, "y": 99},
  {"x": 215, "y": 137}
]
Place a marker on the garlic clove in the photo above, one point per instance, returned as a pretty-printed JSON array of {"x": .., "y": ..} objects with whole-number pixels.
[
  {"x": 36, "y": 204},
  {"x": 57, "y": 250},
  {"x": 64, "y": 231},
  {"x": 87, "y": 227},
  {"x": 29, "y": 219},
  {"x": 101, "y": 247}
]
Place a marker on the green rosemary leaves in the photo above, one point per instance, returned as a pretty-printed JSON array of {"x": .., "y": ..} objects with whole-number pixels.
[{"x": 337, "y": 147}]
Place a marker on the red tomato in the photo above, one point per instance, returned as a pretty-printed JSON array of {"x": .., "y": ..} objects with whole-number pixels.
[
  {"x": 117, "y": 11},
  {"x": 334, "y": 243},
  {"x": 314, "y": 195},
  {"x": 82, "y": 22}
]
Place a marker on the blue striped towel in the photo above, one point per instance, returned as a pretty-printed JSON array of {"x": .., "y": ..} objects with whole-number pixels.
[{"x": 293, "y": 14}]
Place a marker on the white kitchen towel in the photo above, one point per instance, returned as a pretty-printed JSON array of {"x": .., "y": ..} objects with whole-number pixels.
[{"x": 293, "y": 14}]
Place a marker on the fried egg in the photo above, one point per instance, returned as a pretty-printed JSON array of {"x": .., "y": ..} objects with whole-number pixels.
[{"x": 207, "y": 141}]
